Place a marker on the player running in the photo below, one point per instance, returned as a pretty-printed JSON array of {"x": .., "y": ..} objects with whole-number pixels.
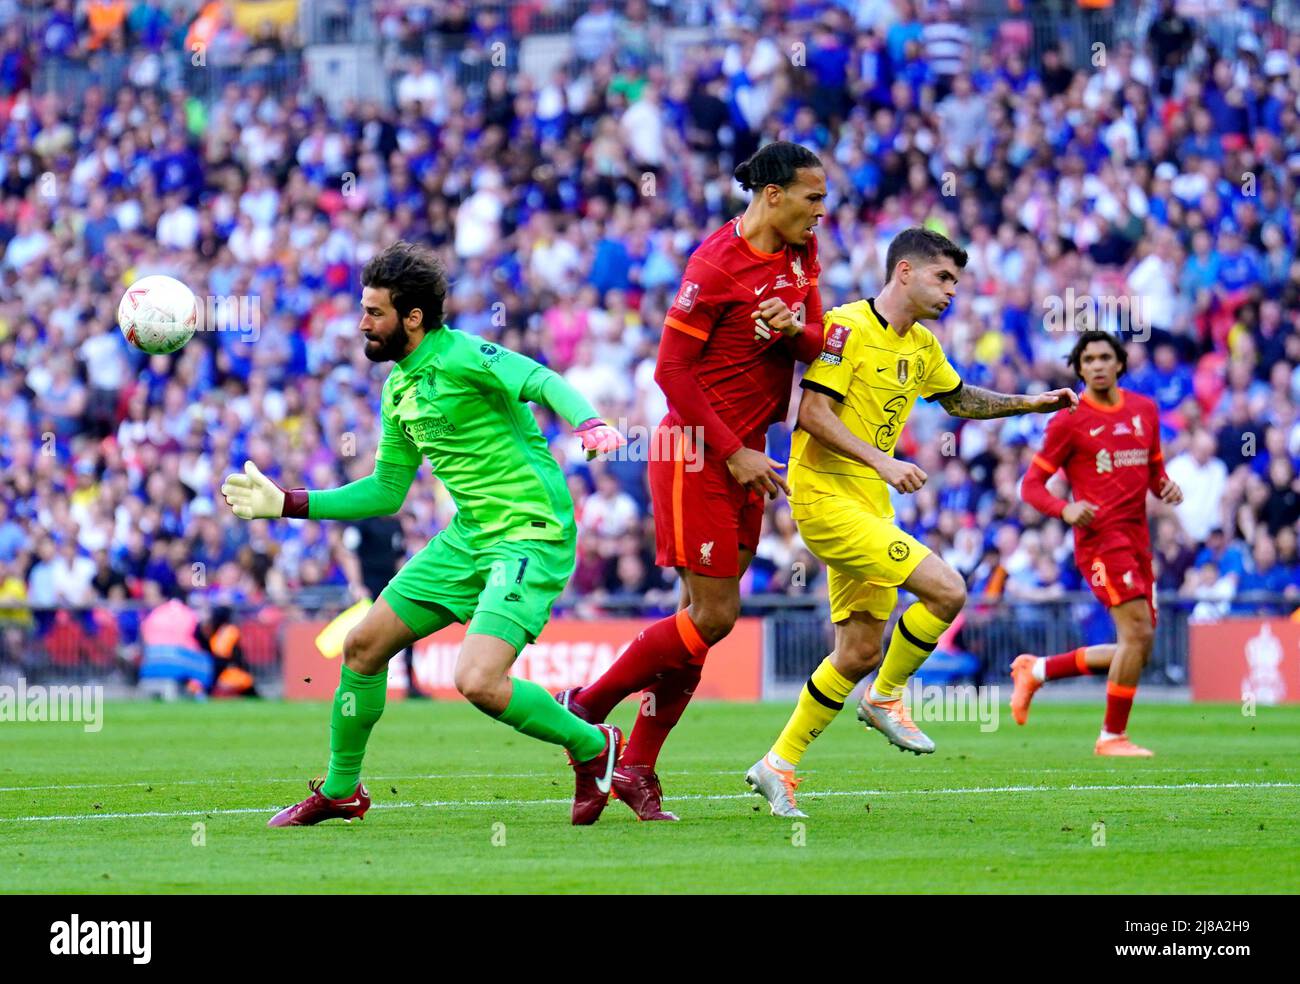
[
  {"x": 726, "y": 362},
  {"x": 876, "y": 361},
  {"x": 500, "y": 564},
  {"x": 1110, "y": 451}
]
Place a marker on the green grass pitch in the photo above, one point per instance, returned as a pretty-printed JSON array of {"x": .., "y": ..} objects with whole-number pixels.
[{"x": 464, "y": 805}]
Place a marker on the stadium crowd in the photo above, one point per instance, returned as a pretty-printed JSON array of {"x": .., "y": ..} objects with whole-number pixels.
[{"x": 1163, "y": 173}]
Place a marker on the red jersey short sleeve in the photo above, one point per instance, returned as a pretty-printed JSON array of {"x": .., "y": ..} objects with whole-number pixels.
[
  {"x": 745, "y": 376},
  {"x": 695, "y": 308},
  {"x": 1056, "y": 444}
]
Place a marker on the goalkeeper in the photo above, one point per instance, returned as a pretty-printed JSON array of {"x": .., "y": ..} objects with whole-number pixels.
[{"x": 500, "y": 564}]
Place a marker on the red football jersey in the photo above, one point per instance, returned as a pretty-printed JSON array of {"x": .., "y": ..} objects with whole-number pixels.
[
  {"x": 746, "y": 378},
  {"x": 1111, "y": 456}
]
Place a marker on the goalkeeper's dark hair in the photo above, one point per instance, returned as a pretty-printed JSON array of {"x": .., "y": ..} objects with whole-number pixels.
[
  {"x": 775, "y": 164},
  {"x": 1075, "y": 359},
  {"x": 415, "y": 278},
  {"x": 922, "y": 244}
]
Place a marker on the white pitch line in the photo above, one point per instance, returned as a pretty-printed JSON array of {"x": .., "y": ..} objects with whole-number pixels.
[
  {"x": 474, "y": 804},
  {"x": 161, "y": 784}
]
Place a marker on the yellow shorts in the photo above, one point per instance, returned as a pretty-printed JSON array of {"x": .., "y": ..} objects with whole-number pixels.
[{"x": 867, "y": 557}]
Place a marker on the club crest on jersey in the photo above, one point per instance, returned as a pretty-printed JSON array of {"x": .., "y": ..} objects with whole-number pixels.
[
  {"x": 706, "y": 554},
  {"x": 1137, "y": 425},
  {"x": 796, "y": 267},
  {"x": 833, "y": 349},
  {"x": 686, "y": 296},
  {"x": 427, "y": 386}
]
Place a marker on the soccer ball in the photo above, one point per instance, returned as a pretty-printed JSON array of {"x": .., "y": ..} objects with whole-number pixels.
[{"x": 158, "y": 314}]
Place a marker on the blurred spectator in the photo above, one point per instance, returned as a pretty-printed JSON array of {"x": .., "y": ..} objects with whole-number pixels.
[
  {"x": 172, "y": 656},
  {"x": 1203, "y": 479},
  {"x": 565, "y": 207},
  {"x": 611, "y": 512}
]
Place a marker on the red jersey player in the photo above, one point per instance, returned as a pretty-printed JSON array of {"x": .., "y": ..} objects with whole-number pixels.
[
  {"x": 747, "y": 308},
  {"x": 1110, "y": 451}
]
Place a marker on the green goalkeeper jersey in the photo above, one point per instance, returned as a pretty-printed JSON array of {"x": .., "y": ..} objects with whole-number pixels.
[{"x": 458, "y": 400}]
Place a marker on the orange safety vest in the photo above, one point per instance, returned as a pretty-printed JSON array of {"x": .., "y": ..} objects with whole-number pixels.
[
  {"x": 205, "y": 27},
  {"x": 224, "y": 641},
  {"x": 105, "y": 17},
  {"x": 233, "y": 680}
]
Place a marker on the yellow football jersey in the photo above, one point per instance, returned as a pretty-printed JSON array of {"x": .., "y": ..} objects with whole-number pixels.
[{"x": 873, "y": 377}]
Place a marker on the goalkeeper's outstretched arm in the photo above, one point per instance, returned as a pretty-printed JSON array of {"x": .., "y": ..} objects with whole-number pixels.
[
  {"x": 251, "y": 495},
  {"x": 548, "y": 389}
]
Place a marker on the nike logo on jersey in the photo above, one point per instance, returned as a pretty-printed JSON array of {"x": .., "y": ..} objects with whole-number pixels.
[
  {"x": 759, "y": 290},
  {"x": 1097, "y": 430},
  {"x": 882, "y": 368}
]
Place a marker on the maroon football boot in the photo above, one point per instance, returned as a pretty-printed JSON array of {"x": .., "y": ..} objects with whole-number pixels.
[
  {"x": 594, "y": 778},
  {"x": 565, "y": 698},
  {"x": 316, "y": 808},
  {"x": 638, "y": 787}
]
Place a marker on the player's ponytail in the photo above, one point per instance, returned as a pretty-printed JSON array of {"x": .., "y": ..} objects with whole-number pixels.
[{"x": 776, "y": 163}]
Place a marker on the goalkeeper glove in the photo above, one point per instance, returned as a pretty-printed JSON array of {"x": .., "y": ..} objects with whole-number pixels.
[
  {"x": 254, "y": 496},
  {"x": 598, "y": 437}
]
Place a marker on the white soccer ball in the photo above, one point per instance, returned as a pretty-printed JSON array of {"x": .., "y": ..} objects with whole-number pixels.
[{"x": 158, "y": 314}]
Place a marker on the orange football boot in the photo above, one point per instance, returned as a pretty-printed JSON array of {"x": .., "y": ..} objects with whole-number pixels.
[
  {"x": 1022, "y": 675},
  {"x": 1121, "y": 746}
]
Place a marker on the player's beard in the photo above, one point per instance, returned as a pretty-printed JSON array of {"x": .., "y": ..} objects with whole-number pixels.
[{"x": 389, "y": 349}]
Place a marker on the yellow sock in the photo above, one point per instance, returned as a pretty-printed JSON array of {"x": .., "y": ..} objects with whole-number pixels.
[
  {"x": 819, "y": 701},
  {"x": 910, "y": 645}
]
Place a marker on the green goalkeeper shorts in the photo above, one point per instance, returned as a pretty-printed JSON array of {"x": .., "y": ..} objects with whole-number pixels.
[{"x": 451, "y": 579}]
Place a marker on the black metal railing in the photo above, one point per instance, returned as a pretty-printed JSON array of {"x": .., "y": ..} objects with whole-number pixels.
[
  {"x": 69, "y": 78},
  {"x": 102, "y": 643}
]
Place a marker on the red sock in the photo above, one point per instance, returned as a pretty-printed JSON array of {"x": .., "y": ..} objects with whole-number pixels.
[
  {"x": 1068, "y": 664},
  {"x": 1119, "y": 701},
  {"x": 671, "y": 695},
  {"x": 663, "y": 647}
]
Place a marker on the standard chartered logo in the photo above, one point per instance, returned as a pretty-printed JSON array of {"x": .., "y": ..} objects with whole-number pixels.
[{"x": 430, "y": 428}]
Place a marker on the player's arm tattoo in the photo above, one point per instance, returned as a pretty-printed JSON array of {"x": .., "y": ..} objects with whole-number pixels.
[{"x": 977, "y": 403}]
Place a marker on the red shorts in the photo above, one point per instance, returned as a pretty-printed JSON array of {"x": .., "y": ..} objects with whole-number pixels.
[
  {"x": 1118, "y": 573},
  {"x": 703, "y": 516}
]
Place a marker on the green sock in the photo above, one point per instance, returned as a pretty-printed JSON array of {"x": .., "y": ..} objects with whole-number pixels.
[
  {"x": 358, "y": 704},
  {"x": 534, "y": 712}
]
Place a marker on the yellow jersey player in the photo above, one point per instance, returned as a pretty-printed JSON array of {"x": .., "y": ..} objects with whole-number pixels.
[{"x": 875, "y": 361}]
